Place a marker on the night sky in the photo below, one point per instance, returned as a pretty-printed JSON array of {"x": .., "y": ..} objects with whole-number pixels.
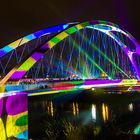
[{"x": 19, "y": 18}]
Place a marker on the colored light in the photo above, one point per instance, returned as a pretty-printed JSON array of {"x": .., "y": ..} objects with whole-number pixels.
[
  {"x": 11, "y": 128},
  {"x": 32, "y": 36},
  {"x": 93, "y": 88},
  {"x": 102, "y": 26},
  {"x": 93, "y": 111},
  {"x": 16, "y": 104},
  {"x": 130, "y": 107},
  {"x": 2, "y": 130},
  {"x": 105, "y": 112}
]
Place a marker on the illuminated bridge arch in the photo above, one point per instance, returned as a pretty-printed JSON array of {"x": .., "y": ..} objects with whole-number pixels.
[
  {"x": 14, "y": 45},
  {"x": 106, "y": 27}
]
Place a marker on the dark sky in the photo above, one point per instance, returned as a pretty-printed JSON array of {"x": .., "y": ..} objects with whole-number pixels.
[{"x": 21, "y": 17}]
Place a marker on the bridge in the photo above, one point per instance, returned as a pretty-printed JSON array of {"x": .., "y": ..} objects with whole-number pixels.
[
  {"x": 101, "y": 48},
  {"x": 73, "y": 56}
]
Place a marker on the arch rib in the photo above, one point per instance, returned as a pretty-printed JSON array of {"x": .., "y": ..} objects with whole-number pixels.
[
  {"x": 19, "y": 72},
  {"x": 10, "y": 47}
]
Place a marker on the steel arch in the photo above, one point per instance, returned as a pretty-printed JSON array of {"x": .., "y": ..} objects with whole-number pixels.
[{"x": 106, "y": 27}]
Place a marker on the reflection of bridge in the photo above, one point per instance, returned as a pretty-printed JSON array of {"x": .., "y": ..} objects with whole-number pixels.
[{"x": 91, "y": 56}]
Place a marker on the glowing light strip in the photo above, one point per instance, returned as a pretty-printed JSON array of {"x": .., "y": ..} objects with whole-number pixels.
[
  {"x": 43, "y": 93},
  {"x": 53, "y": 92},
  {"x": 74, "y": 86},
  {"x": 107, "y": 85},
  {"x": 12, "y": 93},
  {"x": 83, "y": 87}
]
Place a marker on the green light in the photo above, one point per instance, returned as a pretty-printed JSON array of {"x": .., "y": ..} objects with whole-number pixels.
[
  {"x": 94, "y": 46},
  {"x": 85, "y": 24},
  {"x": 89, "y": 58},
  {"x": 71, "y": 30},
  {"x": 109, "y": 78},
  {"x": 55, "y": 40},
  {"x": 69, "y": 90},
  {"x": 76, "y": 82},
  {"x": 23, "y": 120}
]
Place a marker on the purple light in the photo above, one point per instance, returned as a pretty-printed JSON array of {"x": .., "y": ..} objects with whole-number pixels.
[
  {"x": 92, "y": 82},
  {"x": 1, "y": 107},
  {"x": 2, "y": 53},
  {"x": 17, "y": 75},
  {"x": 17, "y": 104},
  {"x": 37, "y": 56},
  {"x": 45, "y": 46}
]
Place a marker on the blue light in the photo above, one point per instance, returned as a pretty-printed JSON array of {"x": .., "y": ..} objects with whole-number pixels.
[
  {"x": 30, "y": 37},
  {"x": 7, "y": 49},
  {"x": 104, "y": 27},
  {"x": 23, "y": 135},
  {"x": 51, "y": 30}
]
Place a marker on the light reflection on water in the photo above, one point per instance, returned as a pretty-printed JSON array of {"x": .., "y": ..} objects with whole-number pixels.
[
  {"x": 105, "y": 112},
  {"x": 83, "y": 111},
  {"x": 137, "y": 129},
  {"x": 93, "y": 111}
]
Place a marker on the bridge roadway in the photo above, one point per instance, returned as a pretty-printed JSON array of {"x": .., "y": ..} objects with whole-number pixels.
[{"x": 51, "y": 87}]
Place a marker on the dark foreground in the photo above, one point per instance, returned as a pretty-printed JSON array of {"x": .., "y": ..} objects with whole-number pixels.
[{"x": 85, "y": 115}]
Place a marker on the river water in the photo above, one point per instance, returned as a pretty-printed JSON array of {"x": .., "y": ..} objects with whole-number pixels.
[{"x": 79, "y": 115}]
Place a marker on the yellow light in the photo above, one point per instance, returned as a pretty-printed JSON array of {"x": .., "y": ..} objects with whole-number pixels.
[
  {"x": 42, "y": 93},
  {"x": 130, "y": 107},
  {"x": 50, "y": 109},
  {"x": 11, "y": 128},
  {"x": 107, "y": 117},
  {"x": 74, "y": 109},
  {"x": 4, "y": 80},
  {"x": 2, "y": 130},
  {"x": 105, "y": 112},
  {"x": 77, "y": 108},
  {"x": 52, "y": 113},
  {"x": 93, "y": 88},
  {"x": 15, "y": 44},
  {"x": 2, "y": 88}
]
